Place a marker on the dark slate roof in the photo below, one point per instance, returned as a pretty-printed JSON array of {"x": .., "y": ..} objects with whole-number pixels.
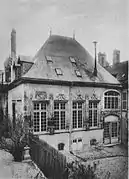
[
  {"x": 120, "y": 71},
  {"x": 60, "y": 48}
]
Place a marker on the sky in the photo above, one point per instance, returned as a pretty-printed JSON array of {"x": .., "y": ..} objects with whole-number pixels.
[{"x": 102, "y": 20}]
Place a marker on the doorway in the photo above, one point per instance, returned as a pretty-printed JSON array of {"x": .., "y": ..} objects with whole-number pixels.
[{"x": 111, "y": 130}]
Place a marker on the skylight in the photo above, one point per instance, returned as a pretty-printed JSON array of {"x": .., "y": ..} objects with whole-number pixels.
[
  {"x": 78, "y": 73},
  {"x": 72, "y": 59},
  {"x": 59, "y": 71},
  {"x": 49, "y": 58}
]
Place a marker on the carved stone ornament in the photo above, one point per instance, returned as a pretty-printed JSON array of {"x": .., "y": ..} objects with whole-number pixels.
[
  {"x": 60, "y": 97},
  {"x": 94, "y": 97},
  {"x": 110, "y": 112},
  {"x": 41, "y": 95},
  {"x": 78, "y": 97}
]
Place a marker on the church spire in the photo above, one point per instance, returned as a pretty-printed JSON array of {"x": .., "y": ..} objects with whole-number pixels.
[{"x": 95, "y": 65}]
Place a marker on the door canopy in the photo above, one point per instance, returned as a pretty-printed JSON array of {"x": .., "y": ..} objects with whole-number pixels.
[{"x": 111, "y": 118}]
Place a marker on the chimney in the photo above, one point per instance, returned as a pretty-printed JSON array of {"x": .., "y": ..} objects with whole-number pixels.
[
  {"x": 102, "y": 59},
  {"x": 116, "y": 56},
  {"x": 13, "y": 43},
  {"x": 95, "y": 67}
]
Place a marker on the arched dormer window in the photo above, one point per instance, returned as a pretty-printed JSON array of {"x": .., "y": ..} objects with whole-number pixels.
[{"x": 111, "y": 99}]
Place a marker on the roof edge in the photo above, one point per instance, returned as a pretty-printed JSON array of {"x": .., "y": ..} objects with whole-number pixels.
[{"x": 60, "y": 82}]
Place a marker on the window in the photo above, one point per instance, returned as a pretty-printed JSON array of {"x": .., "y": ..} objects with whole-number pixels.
[
  {"x": 59, "y": 115},
  {"x": 78, "y": 73},
  {"x": 58, "y": 71},
  {"x": 124, "y": 100},
  {"x": 77, "y": 115},
  {"x": 111, "y": 100},
  {"x": 114, "y": 129},
  {"x": 49, "y": 59},
  {"x": 72, "y": 59},
  {"x": 40, "y": 116},
  {"x": 93, "y": 113},
  {"x": 61, "y": 146}
]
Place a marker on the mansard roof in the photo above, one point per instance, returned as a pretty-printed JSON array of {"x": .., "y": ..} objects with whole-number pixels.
[{"x": 55, "y": 54}]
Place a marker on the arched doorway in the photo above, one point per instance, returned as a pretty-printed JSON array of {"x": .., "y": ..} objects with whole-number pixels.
[{"x": 111, "y": 129}]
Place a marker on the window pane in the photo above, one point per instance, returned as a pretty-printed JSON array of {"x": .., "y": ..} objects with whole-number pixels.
[
  {"x": 90, "y": 118},
  {"x": 56, "y": 120},
  {"x": 79, "y": 119},
  {"x": 62, "y": 119},
  {"x": 90, "y": 104},
  {"x": 43, "y": 121},
  {"x": 114, "y": 129},
  {"x": 106, "y": 130},
  {"x": 74, "y": 105},
  {"x": 56, "y": 105},
  {"x": 43, "y": 106},
  {"x": 36, "y": 106},
  {"x": 95, "y": 117},
  {"x": 116, "y": 102},
  {"x": 36, "y": 122},
  {"x": 124, "y": 105},
  {"x": 124, "y": 96},
  {"x": 74, "y": 119},
  {"x": 79, "y": 105},
  {"x": 62, "y": 105}
]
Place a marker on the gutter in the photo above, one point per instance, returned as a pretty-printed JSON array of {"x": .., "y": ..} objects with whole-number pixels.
[{"x": 60, "y": 82}]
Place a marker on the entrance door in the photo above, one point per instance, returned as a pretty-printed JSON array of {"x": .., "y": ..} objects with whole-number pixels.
[{"x": 111, "y": 127}]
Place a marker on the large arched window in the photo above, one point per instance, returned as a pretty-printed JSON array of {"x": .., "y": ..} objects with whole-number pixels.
[{"x": 111, "y": 99}]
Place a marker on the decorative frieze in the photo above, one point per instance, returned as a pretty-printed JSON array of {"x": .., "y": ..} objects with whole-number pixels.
[
  {"x": 110, "y": 112},
  {"x": 60, "y": 97},
  {"x": 42, "y": 95}
]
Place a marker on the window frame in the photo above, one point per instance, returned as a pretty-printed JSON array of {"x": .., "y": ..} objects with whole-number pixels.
[
  {"x": 72, "y": 59},
  {"x": 59, "y": 110},
  {"x": 39, "y": 110},
  {"x": 59, "y": 71},
  {"x": 78, "y": 73},
  {"x": 125, "y": 100},
  {"x": 49, "y": 58},
  {"x": 77, "y": 110},
  {"x": 93, "y": 109},
  {"x": 108, "y": 105}
]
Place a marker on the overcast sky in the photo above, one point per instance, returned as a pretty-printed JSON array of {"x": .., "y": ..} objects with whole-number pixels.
[{"x": 102, "y": 20}]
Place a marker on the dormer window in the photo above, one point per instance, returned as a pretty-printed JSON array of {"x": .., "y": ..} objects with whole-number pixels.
[
  {"x": 72, "y": 59},
  {"x": 49, "y": 59},
  {"x": 78, "y": 73},
  {"x": 59, "y": 71}
]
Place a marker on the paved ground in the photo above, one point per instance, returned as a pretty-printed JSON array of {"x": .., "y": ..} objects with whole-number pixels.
[{"x": 16, "y": 170}]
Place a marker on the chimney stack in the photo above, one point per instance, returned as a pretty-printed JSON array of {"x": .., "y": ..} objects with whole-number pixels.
[
  {"x": 13, "y": 43},
  {"x": 95, "y": 67},
  {"x": 102, "y": 59},
  {"x": 116, "y": 56}
]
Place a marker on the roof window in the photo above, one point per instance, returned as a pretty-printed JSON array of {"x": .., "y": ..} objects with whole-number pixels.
[
  {"x": 78, "y": 73},
  {"x": 72, "y": 59},
  {"x": 59, "y": 71},
  {"x": 49, "y": 59}
]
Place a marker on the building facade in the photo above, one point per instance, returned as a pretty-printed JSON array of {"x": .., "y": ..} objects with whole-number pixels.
[{"x": 65, "y": 102}]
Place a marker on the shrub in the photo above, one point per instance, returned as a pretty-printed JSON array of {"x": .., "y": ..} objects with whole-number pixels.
[
  {"x": 15, "y": 138},
  {"x": 77, "y": 170}
]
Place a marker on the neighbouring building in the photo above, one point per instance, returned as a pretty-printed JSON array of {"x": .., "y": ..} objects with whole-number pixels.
[{"x": 71, "y": 100}]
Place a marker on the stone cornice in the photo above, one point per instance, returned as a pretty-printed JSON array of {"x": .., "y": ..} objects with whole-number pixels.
[{"x": 60, "y": 82}]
